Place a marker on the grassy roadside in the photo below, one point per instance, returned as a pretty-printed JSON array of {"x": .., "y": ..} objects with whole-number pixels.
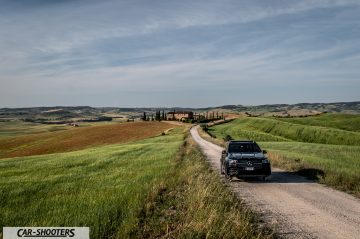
[
  {"x": 157, "y": 187},
  {"x": 194, "y": 203},
  {"x": 211, "y": 138},
  {"x": 336, "y": 165}
]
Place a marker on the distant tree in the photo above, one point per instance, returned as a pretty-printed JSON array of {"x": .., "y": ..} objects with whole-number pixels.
[
  {"x": 104, "y": 118},
  {"x": 157, "y": 115},
  {"x": 152, "y": 117},
  {"x": 163, "y": 115},
  {"x": 204, "y": 127},
  {"x": 144, "y": 117}
]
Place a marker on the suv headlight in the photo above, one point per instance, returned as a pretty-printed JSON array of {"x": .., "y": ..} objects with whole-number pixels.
[
  {"x": 265, "y": 161},
  {"x": 232, "y": 162}
]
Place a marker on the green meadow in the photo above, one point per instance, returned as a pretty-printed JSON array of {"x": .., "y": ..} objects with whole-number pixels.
[
  {"x": 99, "y": 187},
  {"x": 156, "y": 187},
  {"x": 325, "y": 147},
  {"x": 348, "y": 122}
]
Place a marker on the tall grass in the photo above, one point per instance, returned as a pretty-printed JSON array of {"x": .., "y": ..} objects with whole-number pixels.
[
  {"x": 103, "y": 188},
  {"x": 158, "y": 187},
  {"x": 195, "y": 204},
  {"x": 328, "y": 153},
  {"x": 337, "y": 165}
]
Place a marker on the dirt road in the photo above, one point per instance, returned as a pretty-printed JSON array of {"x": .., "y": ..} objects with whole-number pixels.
[{"x": 293, "y": 205}]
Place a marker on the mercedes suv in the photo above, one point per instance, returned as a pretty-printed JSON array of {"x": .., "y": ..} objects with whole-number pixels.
[{"x": 244, "y": 159}]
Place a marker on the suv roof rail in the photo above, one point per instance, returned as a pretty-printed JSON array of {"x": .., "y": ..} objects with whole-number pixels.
[{"x": 241, "y": 141}]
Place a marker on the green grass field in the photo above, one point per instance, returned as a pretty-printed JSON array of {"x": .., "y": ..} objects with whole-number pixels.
[
  {"x": 100, "y": 187},
  {"x": 271, "y": 129},
  {"x": 338, "y": 121},
  {"x": 312, "y": 145},
  {"x": 148, "y": 188},
  {"x": 195, "y": 204}
]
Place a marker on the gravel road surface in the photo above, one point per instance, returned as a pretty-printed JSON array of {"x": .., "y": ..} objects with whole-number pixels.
[{"x": 294, "y": 206}]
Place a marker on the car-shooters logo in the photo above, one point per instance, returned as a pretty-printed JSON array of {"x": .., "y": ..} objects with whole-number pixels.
[{"x": 46, "y": 232}]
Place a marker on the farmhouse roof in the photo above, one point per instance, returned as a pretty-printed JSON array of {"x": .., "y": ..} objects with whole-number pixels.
[{"x": 180, "y": 112}]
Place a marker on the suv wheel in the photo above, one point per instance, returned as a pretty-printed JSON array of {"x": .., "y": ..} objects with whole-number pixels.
[
  {"x": 222, "y": 169},
  {"x": 227, "y": 176}
]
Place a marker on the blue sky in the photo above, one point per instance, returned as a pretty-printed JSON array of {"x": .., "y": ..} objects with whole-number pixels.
[{"x": 178, "y": 53}]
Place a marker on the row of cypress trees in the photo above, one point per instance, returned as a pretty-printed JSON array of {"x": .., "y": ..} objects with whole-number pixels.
[{"x": 159, "y": 115}]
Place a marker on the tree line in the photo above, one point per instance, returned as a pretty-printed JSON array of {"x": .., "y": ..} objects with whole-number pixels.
[{"x": 159, "y": 115}]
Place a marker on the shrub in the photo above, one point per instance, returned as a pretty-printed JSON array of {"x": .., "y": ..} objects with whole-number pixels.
[{"x": 228, "y": 138}]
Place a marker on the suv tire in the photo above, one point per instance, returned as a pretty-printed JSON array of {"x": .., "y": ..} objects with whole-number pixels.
[{"x": 222, "y": 169}]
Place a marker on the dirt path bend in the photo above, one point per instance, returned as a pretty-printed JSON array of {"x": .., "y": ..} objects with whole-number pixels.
[{"x": 293, "y": 205}]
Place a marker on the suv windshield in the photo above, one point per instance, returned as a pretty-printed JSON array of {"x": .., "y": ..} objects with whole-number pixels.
[{"x": 244, "y": 148}]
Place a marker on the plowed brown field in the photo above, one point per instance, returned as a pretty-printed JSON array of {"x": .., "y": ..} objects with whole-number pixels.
[{"x": 79, "y": 138}]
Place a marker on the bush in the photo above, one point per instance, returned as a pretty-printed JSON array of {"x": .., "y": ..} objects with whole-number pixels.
[
  {"x": 228, "y": 138},
  {"x": 204, "y": 127}
]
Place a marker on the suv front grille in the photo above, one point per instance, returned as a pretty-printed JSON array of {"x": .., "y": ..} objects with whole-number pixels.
[{"x": 257, "y": 164}]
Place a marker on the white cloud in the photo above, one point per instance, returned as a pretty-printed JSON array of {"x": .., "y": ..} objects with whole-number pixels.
[
  {"x": 55, "y": 49},
  {"x": 64, "y": 28}
]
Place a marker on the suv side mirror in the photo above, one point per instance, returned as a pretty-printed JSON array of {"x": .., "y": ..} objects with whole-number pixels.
[
  {"x": 264, "y": 152},
  {"x": 223, "y": 152}
]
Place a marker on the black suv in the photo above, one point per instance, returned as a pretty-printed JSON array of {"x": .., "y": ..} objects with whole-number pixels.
[{"x": 244, "y": 159}]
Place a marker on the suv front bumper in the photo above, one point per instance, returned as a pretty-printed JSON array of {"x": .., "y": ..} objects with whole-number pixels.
[{"x": 235, "y": 171}]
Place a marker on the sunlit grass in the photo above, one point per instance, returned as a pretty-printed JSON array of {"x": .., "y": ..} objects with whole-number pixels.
[
  {"x": 103, "y": 188},
  {"x": 348, "y": 122},
  {"x": 330, "y": 152},
  {"x": 195, "y": 204},
  {"x": 270, "y": 129},
  {"x": 339, "y": 164},
  {"x": 144, "y": 189},
  {"x": 79, "y": 138}
]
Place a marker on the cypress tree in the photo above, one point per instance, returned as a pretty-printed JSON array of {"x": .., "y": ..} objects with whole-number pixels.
[{"x": 144, "y": 117}]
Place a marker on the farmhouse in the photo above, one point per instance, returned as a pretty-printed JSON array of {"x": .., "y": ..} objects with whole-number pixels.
[{"x": 183, "y": 115}]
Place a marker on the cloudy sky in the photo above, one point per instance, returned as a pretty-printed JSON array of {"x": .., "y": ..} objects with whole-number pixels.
[{"x": 132, "y": 53}]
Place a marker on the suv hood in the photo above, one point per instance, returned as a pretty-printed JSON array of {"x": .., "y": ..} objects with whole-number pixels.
[{"x": 246, "y": 155}]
